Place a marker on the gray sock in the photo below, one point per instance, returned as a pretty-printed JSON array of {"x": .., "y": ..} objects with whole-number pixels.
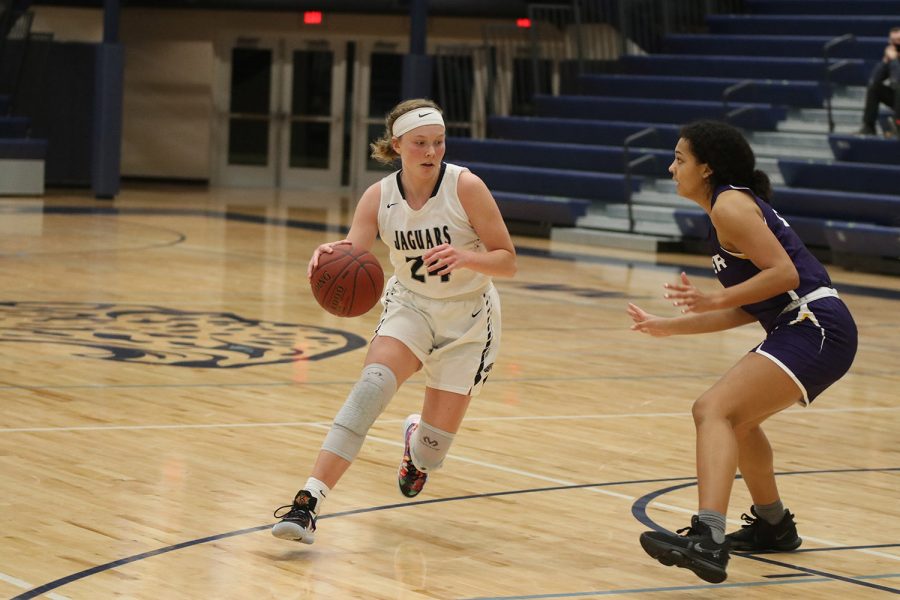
[
  {"x": 716, "y": 522},
  {"x": 772, "y": 513}
]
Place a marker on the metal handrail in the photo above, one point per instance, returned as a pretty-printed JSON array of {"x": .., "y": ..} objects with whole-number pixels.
[
  {"x": 630, "y": 164},
  {"x": 737, "y": 111},
  {"x": 826, "y": 48},
  {"x": 731, "y": 90}
]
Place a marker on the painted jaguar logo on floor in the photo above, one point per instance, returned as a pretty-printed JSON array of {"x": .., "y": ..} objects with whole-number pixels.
[{"x": 164, "y": 336}]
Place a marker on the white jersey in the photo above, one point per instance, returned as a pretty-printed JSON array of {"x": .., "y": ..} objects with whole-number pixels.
[{"x": 410, "y": 233}]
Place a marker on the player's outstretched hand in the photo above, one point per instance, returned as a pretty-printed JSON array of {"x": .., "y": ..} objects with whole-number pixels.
[
  {"x": 647, "y": 323},
  {"x": 326, "y": 248},
  {"x": 689, "y": 298}
]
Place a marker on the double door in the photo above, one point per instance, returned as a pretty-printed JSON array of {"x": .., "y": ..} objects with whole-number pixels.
[{"x": 301, "y": 113}]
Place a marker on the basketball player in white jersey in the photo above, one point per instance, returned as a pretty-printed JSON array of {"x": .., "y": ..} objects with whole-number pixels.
[{"x": 441, "y": 310}]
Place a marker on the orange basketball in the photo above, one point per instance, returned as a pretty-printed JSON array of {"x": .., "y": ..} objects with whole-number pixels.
[{"x": 347, "y": 282}]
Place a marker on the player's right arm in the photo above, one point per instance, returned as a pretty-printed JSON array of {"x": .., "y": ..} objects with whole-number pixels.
[
  {"x": 363, "y": 230},
  {"x": 707, "y": 322}
]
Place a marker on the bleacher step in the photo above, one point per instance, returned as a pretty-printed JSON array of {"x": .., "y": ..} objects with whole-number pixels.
[
  {"x": 804, "y": 126},
  {"x": 788, "y": 140},
  {"x": 776, "y": 152},
  {"x": 652, "y": 220},
  {"x": 615, "y": 239}
]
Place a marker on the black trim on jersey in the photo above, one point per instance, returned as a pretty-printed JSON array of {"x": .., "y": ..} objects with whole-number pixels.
[
  {"x": 437, "y": 184},
  {"x": 480, "y": 375}
]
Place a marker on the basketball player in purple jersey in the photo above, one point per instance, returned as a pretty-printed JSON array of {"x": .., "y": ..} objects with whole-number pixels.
[
  {"x": 441, "y": 311},
  {"x": 768, "y": 276}
]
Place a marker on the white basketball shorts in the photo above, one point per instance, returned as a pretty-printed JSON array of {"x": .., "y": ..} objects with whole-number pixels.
[{"x": 456, "y": 340}]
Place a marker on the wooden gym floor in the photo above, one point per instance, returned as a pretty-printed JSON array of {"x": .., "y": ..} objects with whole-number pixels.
[{"x": 167, "y": 380}]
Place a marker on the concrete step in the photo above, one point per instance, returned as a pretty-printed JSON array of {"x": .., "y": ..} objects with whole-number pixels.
[
  {"x": 769, "y": 164},
  {"x": 653, "y": 196},
  {"x": 839, "y": 115},
  {"x": 615, "y": 239},
  {"x": 821, "y": 127},
  {"x": 641, "y": 212},
  {"x": 851, "y": 95},
  {"x": 789, "y": 140},
  {"x": 653, "y": 220},
  {"x": 776, "y": 152},
  {"x": 603, "y": 221}
]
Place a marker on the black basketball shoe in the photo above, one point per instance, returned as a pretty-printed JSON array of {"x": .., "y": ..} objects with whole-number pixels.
[
  {"x": 694, "y": 549},
  {"x": 758, "y": 534},
  {"x": 299, "y": 522}
]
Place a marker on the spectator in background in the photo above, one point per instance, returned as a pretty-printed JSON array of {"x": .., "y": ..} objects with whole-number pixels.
[{"x": 884, "y": 86}]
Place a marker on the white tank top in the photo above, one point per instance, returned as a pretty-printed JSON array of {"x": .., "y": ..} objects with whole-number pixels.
[{"x": 410, "y": 233}]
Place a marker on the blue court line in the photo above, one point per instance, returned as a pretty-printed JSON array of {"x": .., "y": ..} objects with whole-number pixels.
[
  {"x": 862, "y": 290},
  {"x": 833, "y": 576},
  {"x": 639, "y": 510},
  {"x": 47, "y": 587},
  {"x": 867, "y": 547}
]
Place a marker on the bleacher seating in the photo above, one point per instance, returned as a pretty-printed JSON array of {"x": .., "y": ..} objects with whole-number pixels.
[
  {"x": 673, "y": 87},
  {"x": 856, "y": 245},
  {"x": 803, "y": 25},
  {"x": 843, "y": 176},
  {"x": 572, "y": 146},
  {"x": 546, "y": 196},
  {"x": 562, "y": 183},
  {"x": 853, "y": 72},
  {"x": 577, "y": 157},
  {"x": 854, "y": 148},
  {"x": 540, "y": 210},
  {"x": 772, "y": 45},
  {"x": 824, "y": 7},
  {"x": 879, "y": 209},
  {"x": 760, "y": 116},
  {"x": 581, "y": 131}
]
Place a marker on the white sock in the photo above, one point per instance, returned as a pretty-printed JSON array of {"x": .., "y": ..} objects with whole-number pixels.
[{"x": 318, "y": 490}]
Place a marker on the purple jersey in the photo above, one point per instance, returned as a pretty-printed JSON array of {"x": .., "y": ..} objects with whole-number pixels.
[{"x": 733, "y": 268}]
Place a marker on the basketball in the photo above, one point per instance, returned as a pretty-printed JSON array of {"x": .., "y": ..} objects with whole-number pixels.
[{"x": 347, "y": 282}]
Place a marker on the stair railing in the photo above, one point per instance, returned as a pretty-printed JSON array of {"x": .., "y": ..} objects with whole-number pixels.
[
  {"x": 730, "y": 91},
  {"x": 629, "y": 166},
  {"x": 830, "y": 68}
]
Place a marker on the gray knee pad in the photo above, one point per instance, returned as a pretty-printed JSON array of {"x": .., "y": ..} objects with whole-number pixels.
[
  {"x": 366, "y": 401},
  {"x": 428, "y": 447}
]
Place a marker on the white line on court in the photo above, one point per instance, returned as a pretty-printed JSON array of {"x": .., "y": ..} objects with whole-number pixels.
[
  {"x": 606, "y": 492},
  {"x": 804, "y": 413},
  {"x": 24, "y": 585},
  {"x": 327, "y": 424}
]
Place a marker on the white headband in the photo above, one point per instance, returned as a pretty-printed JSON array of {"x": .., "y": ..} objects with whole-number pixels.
[{"x": 416, "y": 118}]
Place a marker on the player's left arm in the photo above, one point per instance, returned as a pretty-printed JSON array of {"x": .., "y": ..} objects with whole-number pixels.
[
  {"x": 484, "y": 215},
  {"x": 740, "y": 226}
]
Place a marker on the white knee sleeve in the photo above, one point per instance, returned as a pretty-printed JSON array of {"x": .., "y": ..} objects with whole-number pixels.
[
  {"x": 366, "y": 401},
  {"x": 428, "y": 447}
]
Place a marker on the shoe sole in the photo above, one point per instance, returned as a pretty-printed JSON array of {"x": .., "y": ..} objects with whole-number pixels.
[
  {"x": 670, "y": 555},
  {"x": 293, "y": 532},
  {"x": 740, "y": 547}
]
